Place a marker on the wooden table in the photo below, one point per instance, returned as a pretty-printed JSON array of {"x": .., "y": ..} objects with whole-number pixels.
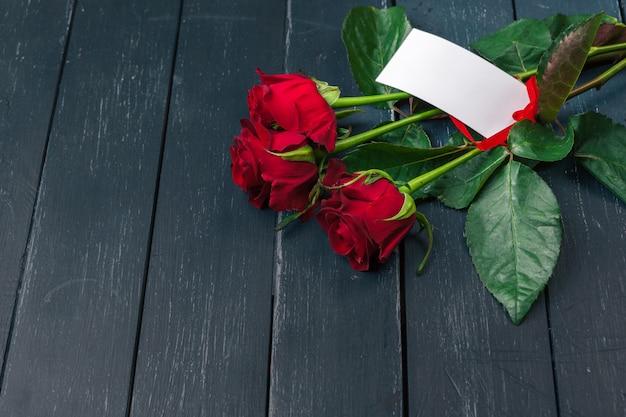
[{"x": 135, "y": 280}]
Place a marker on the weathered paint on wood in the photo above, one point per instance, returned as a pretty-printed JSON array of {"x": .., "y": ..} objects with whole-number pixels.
[
  {"x": 587, "y": 303},
  {"x": 464, "y": 355},
  {"x": 75, "y": 328},
  {"x": 206, "y": 328},
  {"x": 31, "y": 54},
  {"x": 324, "y": 358},
  {"x": 235, "y": 319}
]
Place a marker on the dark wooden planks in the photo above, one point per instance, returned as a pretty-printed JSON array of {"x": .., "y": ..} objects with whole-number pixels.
[
  {"x": 336, "y": 343},
  {"x": 33, "y": 40},
  {"x": 464, "y": 356},
  {"x": 588, "y": 291},
  {"x": 205, "y": 336},
  {"x": 72, "y": 348}
]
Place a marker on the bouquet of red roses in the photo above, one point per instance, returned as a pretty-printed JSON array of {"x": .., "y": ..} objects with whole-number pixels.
[{"x": 293, "y": 156}]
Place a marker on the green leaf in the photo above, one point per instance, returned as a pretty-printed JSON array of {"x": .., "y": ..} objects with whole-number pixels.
[
  {"x": 402, "y": 163},
  {"x": 538, "y": 142},
  {"x": 514, "y": 236},
  {"x": 517, "y": 47},
  {"x": 371, "y": 37},
  {"x": 559, "y": 23},
  {"x": 610, "y": 33},
  {"x": 562, "y": 64},
  {"x": 600, "y": 146},
  {"x": 412, "y": 135},
  {"x": 343, "y": 114},
  {"x": 458, "y": 139},
  {"x": 459, "y": 187},
  {"x": 287, "y": 220}
]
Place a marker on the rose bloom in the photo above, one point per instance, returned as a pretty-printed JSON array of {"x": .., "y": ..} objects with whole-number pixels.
[
  {"x": 357, "y": 217},
  {"x": 246, "y": 154},
  {"x": 293, "y": 102},
  {"x": 267, "y": 178}
]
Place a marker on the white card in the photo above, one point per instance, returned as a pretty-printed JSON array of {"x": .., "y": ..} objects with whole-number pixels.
[{"x": 456, "y": 81}]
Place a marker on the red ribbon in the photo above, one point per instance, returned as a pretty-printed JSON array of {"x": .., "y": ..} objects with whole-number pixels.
[{"x": 500, "y": 138}]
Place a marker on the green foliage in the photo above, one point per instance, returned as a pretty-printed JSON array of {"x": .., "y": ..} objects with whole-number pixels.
[
  {"x": 517, "y": 47},
  {"x": 402, "y": 163},
  {"x": 538, "y": 142},
  {"x": 520, "y": 46},
  {"x": 560, "y": 23},
  {"x": 458, "y": 188},
  {"x": 371, "y": 37},
  {"x": 514, "y": 236},
  {"x": 600, "y": 146},
  {"x": 562, "y": 64},
  {"x": 412, "y": 135},
  {"x": 513, "y": 224},
  {"x": 610, "y": 32}
]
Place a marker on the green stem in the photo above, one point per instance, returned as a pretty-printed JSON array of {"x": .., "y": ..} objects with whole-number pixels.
[
  {"x": 364, "y": 100},
  {"x": 599, "y": 80},
  {"x": 418, "y": 182},
  {"x": 351, "y": 141},
  {"x": 605, "y": 58},
  {"x": 526, "y": 74},
  {"x": 599, "y": 50}
]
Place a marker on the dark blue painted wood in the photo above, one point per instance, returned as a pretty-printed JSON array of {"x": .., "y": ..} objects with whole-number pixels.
[
  {"x": 337, "y": 347},
  {"x": 239, "y": 320},
  {"x": 75, "y": 326},
  {"x": 588, "y": 291},
  {"x": 465, "y": 357},
  {"x": 33, "y": 41},
  {"x": 206, "y": 328}
]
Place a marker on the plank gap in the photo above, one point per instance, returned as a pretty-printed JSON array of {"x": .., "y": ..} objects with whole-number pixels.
[
  {"x": 551, "y": 341},
  {"x": 142, "y": 300},
  {"x": 20, "y": 280}
]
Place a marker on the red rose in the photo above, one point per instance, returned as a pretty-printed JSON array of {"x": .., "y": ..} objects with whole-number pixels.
[
  {"x": 285, "y": 184},
  {"x": 294, "y": 103},
  {"x": 246, "y": 154},
  {"x": 360, "y": 217}
]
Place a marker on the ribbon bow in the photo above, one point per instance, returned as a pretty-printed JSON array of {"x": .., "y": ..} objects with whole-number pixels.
[{"x": 500, "y": 138}]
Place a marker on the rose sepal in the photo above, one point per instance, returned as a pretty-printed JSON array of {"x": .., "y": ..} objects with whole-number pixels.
[
  {"x": 303, "y": 154},
  {"x": 369, "y": 177},
  {"x": 407, "y": 210},
  {"x": 314, "y": 201},
  {"x": 330, "y": 93}
]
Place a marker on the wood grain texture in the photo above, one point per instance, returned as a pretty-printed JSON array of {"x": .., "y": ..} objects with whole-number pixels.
[
  {"x": 465, "y": 357},
  {"x": 587, "y": 294},
  {"x": 337, "y": 346},
  {"x": 31, "y": 54},
  {"x": 195, "y": 306},
  {"x": 72, "y": 348},
  {"x": 205, "y": 336}
]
